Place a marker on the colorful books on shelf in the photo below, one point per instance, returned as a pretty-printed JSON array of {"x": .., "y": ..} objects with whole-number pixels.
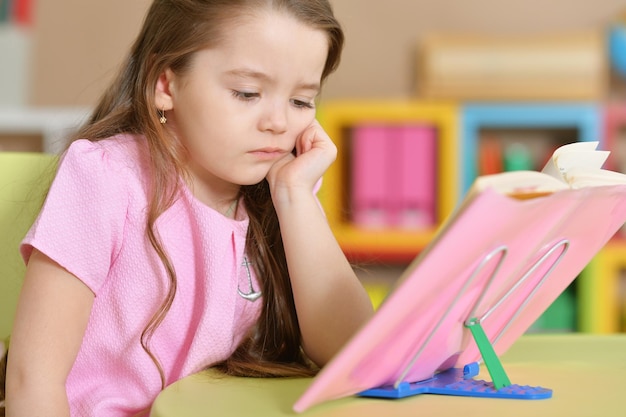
[
  {"x": 508, "y": 251},
  {"x": 393, "y": 176},
  {"x": 16, "y": 11}
]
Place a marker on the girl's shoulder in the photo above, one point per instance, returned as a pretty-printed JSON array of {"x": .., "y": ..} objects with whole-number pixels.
[
  {"x": 120, "y": 149},
  {"x": 121, "y": 155}
]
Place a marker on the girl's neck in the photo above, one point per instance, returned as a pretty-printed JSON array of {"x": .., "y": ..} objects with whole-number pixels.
[
  {"x": 212, "y": 191},
  {"x": 223, "y": 201}
]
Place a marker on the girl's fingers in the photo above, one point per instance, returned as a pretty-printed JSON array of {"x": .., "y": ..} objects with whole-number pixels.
[{"x": 314, "y": 153}]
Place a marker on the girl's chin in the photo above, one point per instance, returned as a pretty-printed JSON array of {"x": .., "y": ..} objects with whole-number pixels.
[
  {"x": 249, "y": 175},
  {"x": 253, "y": 180}
]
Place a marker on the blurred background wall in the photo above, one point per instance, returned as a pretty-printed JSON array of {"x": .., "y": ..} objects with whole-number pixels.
[{"x": 76, "y": 45}]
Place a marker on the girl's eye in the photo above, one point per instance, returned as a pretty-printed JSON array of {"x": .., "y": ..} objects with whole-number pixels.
[
  {"x": 303, "y": 104},
  {"x": 245, "y": 95}
]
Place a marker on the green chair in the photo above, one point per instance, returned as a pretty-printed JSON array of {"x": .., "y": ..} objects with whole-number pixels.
[{"x": 24, "y": 181}]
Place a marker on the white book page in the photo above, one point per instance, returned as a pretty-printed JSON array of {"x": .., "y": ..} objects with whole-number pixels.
[{"x": 574, "y": 154}]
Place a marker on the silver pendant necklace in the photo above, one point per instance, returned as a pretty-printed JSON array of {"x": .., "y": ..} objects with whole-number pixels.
[{"x": 252, "y": 295}]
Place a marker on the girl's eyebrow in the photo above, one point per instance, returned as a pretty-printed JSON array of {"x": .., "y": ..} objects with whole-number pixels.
[{"x": 250, "y": 73}]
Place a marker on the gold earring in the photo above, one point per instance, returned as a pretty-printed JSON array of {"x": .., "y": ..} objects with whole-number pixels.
[{"x": 162, "y": 119}]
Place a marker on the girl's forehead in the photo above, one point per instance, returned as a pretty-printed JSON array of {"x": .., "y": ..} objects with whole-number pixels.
[
  {"x": 263, "y": 18},
  {"x": 273, "y": 35}
]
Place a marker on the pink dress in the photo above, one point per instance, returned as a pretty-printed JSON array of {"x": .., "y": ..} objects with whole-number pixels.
[{"x": 93, "y": 224}]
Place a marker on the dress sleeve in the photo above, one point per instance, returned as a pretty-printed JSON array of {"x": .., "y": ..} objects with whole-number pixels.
[{"x": 81, "y": 223}]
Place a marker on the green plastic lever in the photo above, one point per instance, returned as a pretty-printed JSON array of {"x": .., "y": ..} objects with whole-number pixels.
[{"x": 498, "y": 375}]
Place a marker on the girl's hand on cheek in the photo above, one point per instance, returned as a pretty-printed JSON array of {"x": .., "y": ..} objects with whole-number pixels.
[{"x": 315, "y": 152}]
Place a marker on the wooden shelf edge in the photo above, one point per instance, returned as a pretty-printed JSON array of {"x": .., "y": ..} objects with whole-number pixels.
[{"x": 382, "y": 245}]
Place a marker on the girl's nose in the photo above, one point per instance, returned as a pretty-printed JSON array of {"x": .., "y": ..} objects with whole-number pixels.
[{"x": 274, "y": 119}]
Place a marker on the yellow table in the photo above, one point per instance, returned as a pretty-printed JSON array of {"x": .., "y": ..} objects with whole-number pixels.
[{"x": 587, "y": 374}]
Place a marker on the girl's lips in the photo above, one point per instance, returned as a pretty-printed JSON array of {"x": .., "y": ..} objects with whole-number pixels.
[{"x": 268, "y": 153}]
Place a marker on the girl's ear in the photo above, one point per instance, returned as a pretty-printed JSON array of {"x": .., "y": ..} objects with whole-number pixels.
[{"x": 163, "y": 99}]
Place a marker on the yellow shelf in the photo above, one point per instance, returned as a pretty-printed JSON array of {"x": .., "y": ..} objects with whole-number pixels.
[
  {"x": 338, "y": 116},
  {"x": 383, "y": 244},
  {"x": 599, "y": 296}
]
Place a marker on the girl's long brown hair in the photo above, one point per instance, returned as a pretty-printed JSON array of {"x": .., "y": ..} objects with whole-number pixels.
[{"x": 172, "y": 32}]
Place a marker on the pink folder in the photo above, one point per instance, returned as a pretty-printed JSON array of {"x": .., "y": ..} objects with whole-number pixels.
[
  {"x": 370, "y": 176},
  {"x": 540, "y": 245},
  {"x": 412, "y": 183},
  {"x": 393, "y": 176}
]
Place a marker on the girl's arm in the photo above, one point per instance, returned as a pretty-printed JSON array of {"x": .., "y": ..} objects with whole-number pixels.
[
  {"x": 330, "y": 301},
  {"x": 51, "y": 319}
]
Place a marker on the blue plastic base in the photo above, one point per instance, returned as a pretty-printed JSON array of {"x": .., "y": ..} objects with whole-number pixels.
[{"x": 459, "y": 382}]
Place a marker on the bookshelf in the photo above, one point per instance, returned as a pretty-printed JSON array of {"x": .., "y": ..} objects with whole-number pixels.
[
  {"x": 397, "y": 244},
  {"x": 601, "y": 298},
  {"x": 461, "y": 130},
  {"x": 559, "y": 122},
  {"x": 615, "y": 135},
  {"x": 602, "y": 291}
]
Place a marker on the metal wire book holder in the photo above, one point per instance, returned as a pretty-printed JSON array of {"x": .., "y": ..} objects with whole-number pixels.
[{"x": 461, "y": 382}]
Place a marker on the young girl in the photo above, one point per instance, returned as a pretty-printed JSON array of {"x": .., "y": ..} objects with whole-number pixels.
[{"x": 182, "y": 231}]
